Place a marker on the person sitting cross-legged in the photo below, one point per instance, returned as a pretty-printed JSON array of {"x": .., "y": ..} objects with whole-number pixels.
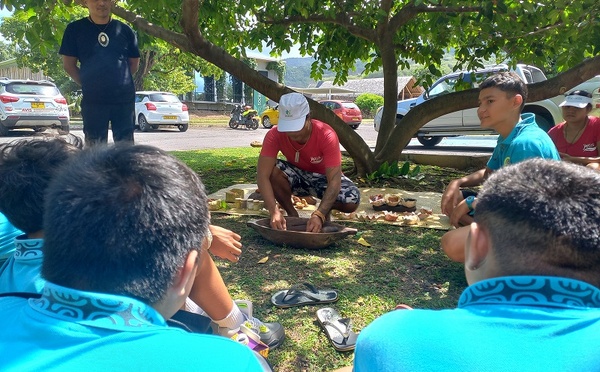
[
  {"x": 123, "y": 230},
  {"x": 533, "y": 268}
]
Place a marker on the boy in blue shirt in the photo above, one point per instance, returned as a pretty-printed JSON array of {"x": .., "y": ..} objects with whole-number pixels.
[
  {"x": 533, "y": 268},
  {"x": 501, "y": 99},
  {"x": 124, "y": 228}
]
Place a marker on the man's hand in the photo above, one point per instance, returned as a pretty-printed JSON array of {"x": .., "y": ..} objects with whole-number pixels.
[
  {"x": 226, "y": 244},
  {"x": 278, "y": 220},
  {"x": 451, "y": 197},
  {"x": 314, "y": 224}
]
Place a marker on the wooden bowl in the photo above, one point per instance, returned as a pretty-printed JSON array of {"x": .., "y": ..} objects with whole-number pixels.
[{"x": 296, "y": 236}]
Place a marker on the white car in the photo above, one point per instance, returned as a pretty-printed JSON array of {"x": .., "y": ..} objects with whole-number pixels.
[
  {"x": 153, "y": 108},
  {"x": 32, "y": 104},
  {"x": 465, "y": 122}
]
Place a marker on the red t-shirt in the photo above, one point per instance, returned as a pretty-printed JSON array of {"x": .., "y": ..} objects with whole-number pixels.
[
  {"x": 322, "y": 150},
  {"x": 585, "y": 146}
]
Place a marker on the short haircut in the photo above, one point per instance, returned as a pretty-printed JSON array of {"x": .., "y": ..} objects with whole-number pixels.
[
  {"x": 26, "y": 168},
  {"x": 121, "y": 220},
  {"x": 508, "y": 82},
  {"x": 543, "y": 218}
]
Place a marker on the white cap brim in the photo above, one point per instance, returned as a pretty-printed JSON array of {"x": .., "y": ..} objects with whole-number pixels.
[
  {"x": 291, "y": 125},
  {"x": 576, "y": 101}
]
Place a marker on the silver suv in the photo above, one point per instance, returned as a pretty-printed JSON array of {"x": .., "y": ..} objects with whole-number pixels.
[
  {"x": 32, "y": 104},
  {"x": 465, "y": 122}
]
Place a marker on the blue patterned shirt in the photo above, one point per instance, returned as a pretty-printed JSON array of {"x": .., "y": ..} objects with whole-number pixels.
[
  {"x": 518, "y": 323},
  {"x": 22, "y": 272},
  {"x": 67, "y": 329}
]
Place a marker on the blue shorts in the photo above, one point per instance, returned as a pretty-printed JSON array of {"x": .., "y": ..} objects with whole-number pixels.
[{"x": 305, "y": 183}]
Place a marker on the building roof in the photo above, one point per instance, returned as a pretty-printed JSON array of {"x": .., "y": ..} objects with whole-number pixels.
[{"x": 406, "y": 84}]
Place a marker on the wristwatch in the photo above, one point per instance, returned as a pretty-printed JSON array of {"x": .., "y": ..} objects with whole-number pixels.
[{"x": 469, "y": 200}]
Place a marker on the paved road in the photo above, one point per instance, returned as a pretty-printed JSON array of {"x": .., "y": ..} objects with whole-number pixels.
[{"x": 170, "y": 139}]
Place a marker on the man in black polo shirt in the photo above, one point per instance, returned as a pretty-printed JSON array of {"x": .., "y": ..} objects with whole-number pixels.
[{"x": 108, "y": 55}]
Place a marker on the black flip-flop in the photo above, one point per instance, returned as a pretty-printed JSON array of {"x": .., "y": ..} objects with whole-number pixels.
[
  {"x": 296, "y": 296},
  {"x": 338, "y": 329}
]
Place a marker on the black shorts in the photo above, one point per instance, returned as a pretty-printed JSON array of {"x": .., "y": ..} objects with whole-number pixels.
[{"x": 305, "y": 183}]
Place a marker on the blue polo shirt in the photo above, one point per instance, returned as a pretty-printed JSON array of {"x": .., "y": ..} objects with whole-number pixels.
[
  {"x": 70, "y": 330},
  {"x": 526, "y": 140},
  {"x": 22, "y": 271},
  {"x": 7, "y": 234},
  {"x": 518, "y": 323}
]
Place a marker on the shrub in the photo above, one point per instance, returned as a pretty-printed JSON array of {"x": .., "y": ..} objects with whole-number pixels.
[{"x": 368, "y": 103}]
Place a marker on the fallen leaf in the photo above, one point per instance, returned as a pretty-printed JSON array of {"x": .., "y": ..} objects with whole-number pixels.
[
  {"x": 362, "y": 241},
  {"x": 263, "y": 260}
]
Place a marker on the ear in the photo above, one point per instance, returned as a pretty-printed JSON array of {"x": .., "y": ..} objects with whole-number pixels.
[
  {"x": 478, "y": 247},
  {"x": 518, "y": 100},
  {"x": 184, "y": 279}
]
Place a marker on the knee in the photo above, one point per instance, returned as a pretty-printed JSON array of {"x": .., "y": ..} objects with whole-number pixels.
[{"x": 453, "y": 246}]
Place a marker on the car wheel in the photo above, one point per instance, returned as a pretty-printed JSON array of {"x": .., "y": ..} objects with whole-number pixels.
[
  {"x": 144, "y": 126},
  {"x": 64, "y": 129},
  {"x": 154, "y": 127},
  {"x": 182, "y": 127},
  {"x": 266, "y": 122},
  {"x": 429, "y": 141},
  {"x": 39, "y": 130},
  {"x": 3, "y": 130}
]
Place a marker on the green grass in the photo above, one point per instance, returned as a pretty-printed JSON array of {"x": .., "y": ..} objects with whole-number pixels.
[{"x": 402, "y": 265}]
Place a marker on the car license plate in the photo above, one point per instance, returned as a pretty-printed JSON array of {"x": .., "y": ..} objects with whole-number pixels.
[
  {"x": 355, "y": 119},
  {"x": 170, "y": 117},
  {"x": 38, "y": 105}
]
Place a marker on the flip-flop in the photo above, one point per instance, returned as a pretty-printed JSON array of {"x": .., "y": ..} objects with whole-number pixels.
[
  {"x": 296, "y": 296},
  {"x": 338, "y": 329}
]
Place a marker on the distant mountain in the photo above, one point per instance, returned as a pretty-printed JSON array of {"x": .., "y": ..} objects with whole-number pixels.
[{"x": 297, "y": 73}]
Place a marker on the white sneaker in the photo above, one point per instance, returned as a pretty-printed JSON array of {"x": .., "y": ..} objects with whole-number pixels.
[{"x": 271, "y": 334}]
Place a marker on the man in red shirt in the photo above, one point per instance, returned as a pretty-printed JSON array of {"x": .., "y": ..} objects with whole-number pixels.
[{"x": 313, "y": 166}]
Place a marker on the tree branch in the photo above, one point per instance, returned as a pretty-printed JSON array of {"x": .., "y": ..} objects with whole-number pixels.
[{"x": 177, "y": 39}]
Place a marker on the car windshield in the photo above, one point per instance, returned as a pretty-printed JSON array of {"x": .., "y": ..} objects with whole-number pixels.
[
  {"x": 163, "y": 97},
  {"x": 349, "y": 105},
  {"x": 35, "y": 89}
]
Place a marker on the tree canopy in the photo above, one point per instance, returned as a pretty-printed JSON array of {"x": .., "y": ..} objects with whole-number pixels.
[{"x": 559, "y": 36}]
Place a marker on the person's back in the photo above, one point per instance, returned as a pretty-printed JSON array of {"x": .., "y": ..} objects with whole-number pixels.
[
  {"x": 123, "y": 227},
  {"x": 533, "y": 265}
]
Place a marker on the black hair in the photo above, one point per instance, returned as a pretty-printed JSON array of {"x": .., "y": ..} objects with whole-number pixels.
[
  {"x": 508, "y": 82},
  {"x": 26, "y": 168},
  {"x": 543, "y": 217},
  {"x": 122, "y": 220}
]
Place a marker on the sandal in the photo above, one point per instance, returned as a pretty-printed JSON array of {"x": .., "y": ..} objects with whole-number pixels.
[
  {"x": 338, "y": 329},
  {"x": 296, "y": 296}
]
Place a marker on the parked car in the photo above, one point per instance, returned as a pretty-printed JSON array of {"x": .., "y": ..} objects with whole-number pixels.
[
  {"x": 270, "y": 116},
  {"x": 465, "y": 122},
  {"x": 32, "y": 104},
  {"x": 153, "y": 109},
  {"x": 345, "y": 110}
]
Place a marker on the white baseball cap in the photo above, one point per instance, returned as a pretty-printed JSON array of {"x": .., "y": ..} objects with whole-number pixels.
[
  {"x": 293, "y": 108},
  {"x": 576, "y": 100}
]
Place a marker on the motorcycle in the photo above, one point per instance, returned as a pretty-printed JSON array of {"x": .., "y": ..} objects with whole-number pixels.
[{"x": 246, "y": 118}]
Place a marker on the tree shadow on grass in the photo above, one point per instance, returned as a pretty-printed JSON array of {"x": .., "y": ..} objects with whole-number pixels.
[{"x": 402, "y": 265}]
